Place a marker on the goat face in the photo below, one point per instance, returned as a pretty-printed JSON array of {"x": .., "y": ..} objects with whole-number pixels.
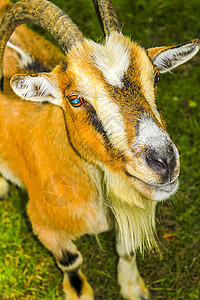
[
  {"x": 108, "y": 95},
  {"x": 126, "y": 132}
]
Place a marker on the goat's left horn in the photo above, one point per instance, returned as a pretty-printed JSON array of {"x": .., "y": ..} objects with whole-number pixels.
[
  {"x": 43, "y": 13},
  {"x": 107, "y": 16}
]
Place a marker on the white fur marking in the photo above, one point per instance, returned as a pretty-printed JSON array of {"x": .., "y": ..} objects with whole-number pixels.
[
  {"x": 112, "y": 60},
  {"x": 134, "y": 214},
  {"x": 149, "y": 135},
  {"x": 25, "y": 58},
  {"x": 113, "y": 122}
]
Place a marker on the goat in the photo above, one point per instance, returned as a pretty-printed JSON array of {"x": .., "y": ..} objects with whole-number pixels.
[{"x": 83, "y": 135}]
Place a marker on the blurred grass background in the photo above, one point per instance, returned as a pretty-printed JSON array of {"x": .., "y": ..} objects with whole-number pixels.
[{"x": 28, "y": 271}]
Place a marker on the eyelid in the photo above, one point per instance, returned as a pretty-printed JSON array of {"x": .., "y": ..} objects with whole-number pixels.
[{"x": 75, "y": 100}]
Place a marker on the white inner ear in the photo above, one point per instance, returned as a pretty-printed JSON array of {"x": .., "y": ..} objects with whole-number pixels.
[
  {"x": 39, "y": 88},
  {"x": 173, "y": 57}
]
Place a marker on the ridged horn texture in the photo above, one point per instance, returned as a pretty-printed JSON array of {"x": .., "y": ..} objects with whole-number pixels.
[
  {"x": 107, "y": 16},
  {"x": 43, "y": 13}
]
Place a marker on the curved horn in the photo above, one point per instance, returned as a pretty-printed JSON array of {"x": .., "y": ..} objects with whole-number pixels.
[
  {"x": 107, "y": 16},
  {"x": 43, "y": 13}
]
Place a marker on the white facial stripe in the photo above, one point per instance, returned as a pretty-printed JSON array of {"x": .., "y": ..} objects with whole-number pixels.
[
  {"x": 25, "y": 58},
  {"x": 107, "y": 112},
  {"x": 176, "y": 56},
  {"x": 113, "y": 122},
  {"x": 112, "y": 59}
]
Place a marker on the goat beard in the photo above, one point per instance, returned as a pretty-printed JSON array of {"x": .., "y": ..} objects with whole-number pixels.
[{"x": 134, "y": 215}]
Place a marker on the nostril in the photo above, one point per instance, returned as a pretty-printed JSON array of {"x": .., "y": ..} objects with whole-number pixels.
[{"x": 156, "y": 162}]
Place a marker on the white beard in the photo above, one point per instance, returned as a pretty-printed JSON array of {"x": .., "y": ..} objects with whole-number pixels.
[{"x": 134, "y": 214}]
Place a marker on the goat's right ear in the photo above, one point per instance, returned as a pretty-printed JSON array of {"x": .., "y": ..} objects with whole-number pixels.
[{"x": 37, "y": 87}]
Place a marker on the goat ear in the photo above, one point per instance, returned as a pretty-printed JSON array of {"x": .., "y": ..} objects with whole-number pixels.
[
  {"x": 168, "y": 58},
  {"x": 37, "y": 87}
]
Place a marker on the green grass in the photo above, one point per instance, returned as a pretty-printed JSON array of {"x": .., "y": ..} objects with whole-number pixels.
[{"x": 27, "y": 269}]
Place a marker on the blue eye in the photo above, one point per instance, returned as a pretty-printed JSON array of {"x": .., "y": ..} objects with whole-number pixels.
[{"x": 76, "y": 100}]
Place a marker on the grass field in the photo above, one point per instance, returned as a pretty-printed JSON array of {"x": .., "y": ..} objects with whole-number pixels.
[{"x": 27, "y": 269}]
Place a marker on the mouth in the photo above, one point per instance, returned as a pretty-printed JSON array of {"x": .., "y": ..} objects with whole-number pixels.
[
  {"x": 167, "y": 188},
  {"x": 159, "y": 192},
  {"x": 165, "y": 191}
]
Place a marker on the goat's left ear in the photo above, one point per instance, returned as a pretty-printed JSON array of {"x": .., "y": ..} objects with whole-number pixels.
[
  {"x": 167, "y": 58},
  {"x": 37, "y": 87}
]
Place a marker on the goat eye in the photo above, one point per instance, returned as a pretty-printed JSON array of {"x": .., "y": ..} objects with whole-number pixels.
[
  {"x": 76, "y": 100},
  {"x": 156, "y": 79}
]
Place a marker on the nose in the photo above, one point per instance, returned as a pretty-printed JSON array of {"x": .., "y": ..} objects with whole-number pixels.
[{"x": 163, "y": 164}]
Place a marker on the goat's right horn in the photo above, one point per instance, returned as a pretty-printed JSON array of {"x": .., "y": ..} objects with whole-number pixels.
[
  {"x": 107, "y": 16},
  {"x": 43, "y": 13}
]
